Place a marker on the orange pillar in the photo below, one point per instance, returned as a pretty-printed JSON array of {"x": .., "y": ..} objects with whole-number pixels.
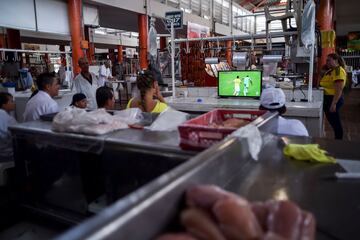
[
  {"x": 13, "y": 39},
  {"x": 2, "y": 41},
  {"x": 162, "y": 43},
  {"x": 325, "y": 18},
  {"x": 62, "y": 56},
  {"x": 90, "y": 52},
  {"x": 143, "y": 38},
  {"x": 74, "y": 12},
  {"x": 120, "y": 56},
  {"x": 112, "y": 54},
  {"x": 228, "y": 52}
]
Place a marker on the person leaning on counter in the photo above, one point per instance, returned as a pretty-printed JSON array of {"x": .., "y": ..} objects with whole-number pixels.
[
  {"x": 273, "y": 99},
  {"x": 42, "y": 102},
  {"x": 86, "y": 82},
  {"x": 333, "y": 82},
  {"x": 149, "y": 89}
]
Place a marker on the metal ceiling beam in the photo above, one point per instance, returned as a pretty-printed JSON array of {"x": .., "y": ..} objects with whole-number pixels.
[{"x": 259, "y": 5}]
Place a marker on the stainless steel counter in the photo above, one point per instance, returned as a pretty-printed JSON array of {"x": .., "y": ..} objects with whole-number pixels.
[
  {"x": 311, "y": 114},
  {"x": 335, "y": 203},
  {"x": 132, "y": 139},
  {"x": 73, "y": 171},
  {"x": 204, "y": 104}
]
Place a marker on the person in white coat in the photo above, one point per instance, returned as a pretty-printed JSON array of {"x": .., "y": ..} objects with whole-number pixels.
[
  {"x": 273, "y": 99},
  {"x": 104, "y": 73},
  {"x": 42, "y": 102},
  {"x": 86, "y": 83},
  {"x": 7, "y": 105}
]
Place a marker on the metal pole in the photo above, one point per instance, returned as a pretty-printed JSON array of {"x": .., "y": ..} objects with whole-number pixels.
[
  {"x": 173, "y": 59},
  {"x": 31, "y": 51},
  {"x": 311, "y": 73},
  {"x": 237, "y": 37}
]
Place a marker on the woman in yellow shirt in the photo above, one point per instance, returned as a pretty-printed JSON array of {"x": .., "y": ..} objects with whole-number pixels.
[
  {"x": 333, "y": 82},
  {"x": 149, "y": 89}
]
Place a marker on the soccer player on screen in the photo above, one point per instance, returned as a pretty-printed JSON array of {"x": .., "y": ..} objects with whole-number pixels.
[
  {"x": 247, "y": 83},
  {"x": 237, "y": 82}
]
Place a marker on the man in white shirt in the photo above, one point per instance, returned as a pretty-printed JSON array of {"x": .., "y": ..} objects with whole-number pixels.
[
  {"x": 6, "y": 106},
  {"x": 273, "y": 99},
  {"x": 86, "y": 83},
  {"x": 42, "y": 102},
  {"x": 104, "y": 73}
]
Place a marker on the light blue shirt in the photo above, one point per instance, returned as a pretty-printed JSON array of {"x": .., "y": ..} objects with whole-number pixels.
[{"x": 6, "y": 149}]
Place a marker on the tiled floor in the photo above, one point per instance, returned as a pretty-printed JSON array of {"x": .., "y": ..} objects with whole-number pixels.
[{"x": 350, "y": 115}]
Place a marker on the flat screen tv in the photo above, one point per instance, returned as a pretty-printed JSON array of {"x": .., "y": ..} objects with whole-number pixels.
[{"x": 240, "y": 83}]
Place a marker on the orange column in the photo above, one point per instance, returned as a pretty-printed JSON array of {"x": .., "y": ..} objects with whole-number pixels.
[
  {"x": 74, "y": 12},
  {"x": 325, "y": 18},
  {"x": 112, "y": 54},
  {"x": 228, "y": 52},
  {"x": 143, "y": 38},
  {"x": 90, "y": 52},
  {"x": 2, "y": 41},
  {"x": 162, "y": 43},
  {"x": 62, "y": 56},
  {"x": 120, "y": 56},
  {"x": 13, "y": 39}
]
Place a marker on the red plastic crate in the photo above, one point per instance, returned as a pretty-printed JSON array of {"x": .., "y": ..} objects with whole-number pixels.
[{"x": 196, "y": 134}]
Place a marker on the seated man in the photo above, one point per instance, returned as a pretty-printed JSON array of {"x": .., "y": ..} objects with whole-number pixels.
[
  {"x": 105, "y": 98},
  {"x": 42, "y": 102},
  {"x": 6, "y": 106},
  {"x": 273, "y": 99}
]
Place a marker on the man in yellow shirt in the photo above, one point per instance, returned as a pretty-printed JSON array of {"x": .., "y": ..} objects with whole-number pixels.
[{"x": 237, "y": 82}]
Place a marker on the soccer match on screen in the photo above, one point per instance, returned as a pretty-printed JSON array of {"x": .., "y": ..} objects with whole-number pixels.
[{"x": 239, "y": 84}]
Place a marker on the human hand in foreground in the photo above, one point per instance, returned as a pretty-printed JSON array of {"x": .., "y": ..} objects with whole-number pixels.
[{"x": 214, "y": 214}]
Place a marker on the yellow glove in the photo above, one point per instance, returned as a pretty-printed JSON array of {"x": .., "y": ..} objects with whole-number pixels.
[{"x": 307, "y": 152}]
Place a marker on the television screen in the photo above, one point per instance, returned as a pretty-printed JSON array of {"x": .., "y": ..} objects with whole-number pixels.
[{"x": 239, "y": 83}]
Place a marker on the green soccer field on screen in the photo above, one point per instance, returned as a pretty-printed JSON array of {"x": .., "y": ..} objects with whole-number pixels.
[{"x": 239, "y": 84}]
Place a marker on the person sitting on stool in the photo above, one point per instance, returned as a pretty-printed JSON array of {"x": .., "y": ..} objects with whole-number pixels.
[{"x": 273, "y": 99}]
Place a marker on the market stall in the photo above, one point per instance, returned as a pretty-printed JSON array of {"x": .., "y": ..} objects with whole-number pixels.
[
  {"x": 200, "y": 100},
  {"x": 68, "y": 176}
]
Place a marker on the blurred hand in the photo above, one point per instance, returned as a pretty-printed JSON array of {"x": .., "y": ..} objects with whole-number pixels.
[{"x": 333, "y": 108}]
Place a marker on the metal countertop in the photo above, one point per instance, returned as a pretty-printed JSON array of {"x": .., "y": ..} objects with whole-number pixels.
[
  {"x": 132, "y": 139},
  {"x": 335, "y": 203},
  {"x": 302, "y": 109}
]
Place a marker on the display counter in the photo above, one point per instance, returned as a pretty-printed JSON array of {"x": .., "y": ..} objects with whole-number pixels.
[
  {"x": 311, "y": 114},
  {"x": 81, "y": 174},
  {"x": 229, "y": 165}
]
